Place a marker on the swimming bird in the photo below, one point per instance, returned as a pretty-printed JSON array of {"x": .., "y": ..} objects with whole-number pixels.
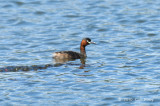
[{"x": 72, "y": 54}]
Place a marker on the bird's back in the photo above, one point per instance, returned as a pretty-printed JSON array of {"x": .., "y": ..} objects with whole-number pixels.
[{"x": 67, "y": 54}]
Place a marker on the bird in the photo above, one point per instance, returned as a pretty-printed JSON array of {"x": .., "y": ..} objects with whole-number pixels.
[{"x": 72, "y": 54}]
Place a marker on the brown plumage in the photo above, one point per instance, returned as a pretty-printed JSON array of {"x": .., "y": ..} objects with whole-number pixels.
[{"x": 72, "y": 54}]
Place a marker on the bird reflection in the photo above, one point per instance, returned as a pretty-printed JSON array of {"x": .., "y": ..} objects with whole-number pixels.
[
  {"x": 59, "y": 62},
  {"x": 83, "y": 61}
]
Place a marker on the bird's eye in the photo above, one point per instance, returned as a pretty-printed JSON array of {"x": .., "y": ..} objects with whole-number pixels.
[{"x": 88, "y": 41}]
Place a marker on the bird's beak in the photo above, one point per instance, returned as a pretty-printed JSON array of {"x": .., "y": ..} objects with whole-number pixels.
[{"x": 92, "y": 42}]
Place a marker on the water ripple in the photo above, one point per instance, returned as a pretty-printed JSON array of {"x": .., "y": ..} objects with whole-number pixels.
[{"x": 121, "y": 69}]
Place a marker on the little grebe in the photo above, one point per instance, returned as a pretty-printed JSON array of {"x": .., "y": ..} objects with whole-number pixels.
[{"x": 72, "y": 54}]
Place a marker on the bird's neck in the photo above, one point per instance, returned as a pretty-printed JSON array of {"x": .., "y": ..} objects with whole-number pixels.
[{"x": 82, "y": 50}]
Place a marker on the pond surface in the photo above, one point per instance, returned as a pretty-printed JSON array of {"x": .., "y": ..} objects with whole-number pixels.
[{"x": 123, "y": 68}]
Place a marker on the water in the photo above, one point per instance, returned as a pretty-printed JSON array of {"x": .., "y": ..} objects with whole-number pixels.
[{"x": 122, "y": 69}]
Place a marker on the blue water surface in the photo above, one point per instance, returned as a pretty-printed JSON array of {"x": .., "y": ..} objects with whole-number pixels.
[{"x": 122, "y": 69}]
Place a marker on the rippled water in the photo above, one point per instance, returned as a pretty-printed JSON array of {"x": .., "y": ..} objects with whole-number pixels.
[{"x": 123, "y": 68}]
